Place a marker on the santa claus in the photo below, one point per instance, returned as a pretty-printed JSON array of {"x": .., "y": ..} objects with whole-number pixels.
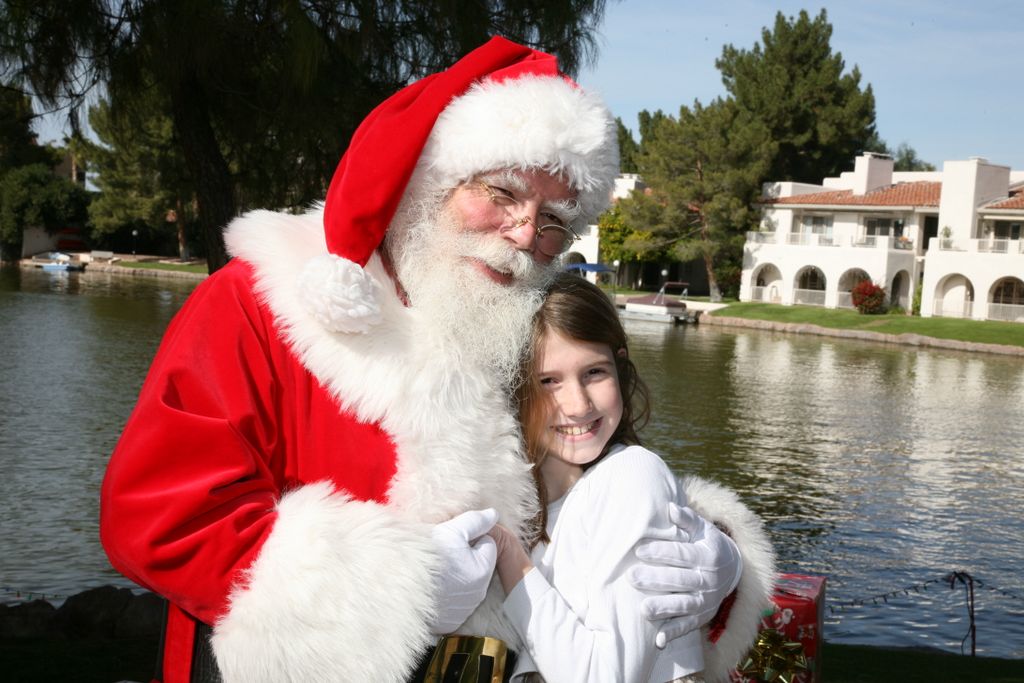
[{"x": 309, "y": 471}]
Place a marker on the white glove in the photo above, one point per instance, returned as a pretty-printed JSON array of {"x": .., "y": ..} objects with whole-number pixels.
[
  {"x": 691, "y": 578},
  {"x": 467, "y": 562}
]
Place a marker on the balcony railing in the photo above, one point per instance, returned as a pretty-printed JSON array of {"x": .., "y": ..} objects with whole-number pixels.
[
  {"x": 1013, "y": 313},
  {"x": 979, "y": 246},
  {"x": 993, "y": 246},
  {"x": 808, "y": 239},
  {"x": 844, "y": 300},
  {"x": 953, "y": 309},
  {"x": 999, "y": 246},
  {"x": 805, "y": 239},
  {"x": 768, "y": 294},
  {"x": 762, "y": 237},
  {"x": 809, "y": 297},
  {"x": 883, "y": 242}
]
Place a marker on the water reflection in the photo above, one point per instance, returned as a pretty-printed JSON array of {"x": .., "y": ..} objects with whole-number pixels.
[
  {"x": 76, "y": 348},
  {"x": 880, "y": 466}
]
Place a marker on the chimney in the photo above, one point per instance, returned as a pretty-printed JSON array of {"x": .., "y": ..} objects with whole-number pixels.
[{"x": 871, "y": 171}]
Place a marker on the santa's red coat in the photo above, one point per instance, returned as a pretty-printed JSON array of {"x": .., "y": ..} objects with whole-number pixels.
[{"x": 279, "y": 481}]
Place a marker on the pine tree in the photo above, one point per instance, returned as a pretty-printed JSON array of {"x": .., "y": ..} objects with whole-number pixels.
[
  {"x": 704, "y": 171},
  {"x": 264, "y": 96},
  {"x": 141, "y": 177},
  {"x": 795, "y": 86},
  {"x": 906, "y": 159},
  {"x": 628, "y": 149},
  {"x": 30, "y": 194},
  {"x": 17, "y": 141}
]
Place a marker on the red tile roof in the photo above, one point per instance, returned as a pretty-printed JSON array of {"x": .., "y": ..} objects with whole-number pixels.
[
  {"x": 921, "y": 193},
  {"x": 1015, "y": 201}
]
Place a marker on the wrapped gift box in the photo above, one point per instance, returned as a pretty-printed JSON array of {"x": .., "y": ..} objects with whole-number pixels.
[{"x": 789, "y": 647}]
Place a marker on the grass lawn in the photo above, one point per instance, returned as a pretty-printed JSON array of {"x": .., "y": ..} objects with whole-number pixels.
[
  {"x": 156, "y": 265},
  {"x": 981, "y": 331}
]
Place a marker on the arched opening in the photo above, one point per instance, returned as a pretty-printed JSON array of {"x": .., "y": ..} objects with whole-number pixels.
[
  {"x": 899, "y": 290},
  {"x": 954, "y": 297},
  {"x": 847, "y": 282},
  {"x": 1007, "y": 300},
  {"x": 810, "y": 287},
  {"x": 766, "y": 284}
]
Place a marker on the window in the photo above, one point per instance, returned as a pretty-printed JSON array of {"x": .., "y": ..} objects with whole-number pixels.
[
  {"x": 883, "y": 227},
  {"x": 1009, "y": 290},
  {"x": 812, "y": 278},
  {"x": 1005, "y": 230},
  {"x": 816, "y": 225}
]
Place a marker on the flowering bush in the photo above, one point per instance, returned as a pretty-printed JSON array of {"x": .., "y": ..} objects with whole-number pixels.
[{"x": 868, "y": 297}]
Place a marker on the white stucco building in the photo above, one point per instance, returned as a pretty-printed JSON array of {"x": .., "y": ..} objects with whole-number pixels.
[
  {"x": 956, "y": 233},
  {"x": 585, "y": 249}
]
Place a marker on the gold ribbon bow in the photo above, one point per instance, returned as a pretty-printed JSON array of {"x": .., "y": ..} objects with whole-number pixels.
[{"x": 773, "y": 658}]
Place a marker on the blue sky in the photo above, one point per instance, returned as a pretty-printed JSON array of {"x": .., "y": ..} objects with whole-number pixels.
[{"x": 945, "y": 74}]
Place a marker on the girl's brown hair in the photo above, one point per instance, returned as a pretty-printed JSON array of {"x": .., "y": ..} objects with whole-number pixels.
[{"x": 580, "y": 311}]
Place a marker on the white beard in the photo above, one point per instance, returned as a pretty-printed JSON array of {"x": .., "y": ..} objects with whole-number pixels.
[{"x": 483, "y": 323}]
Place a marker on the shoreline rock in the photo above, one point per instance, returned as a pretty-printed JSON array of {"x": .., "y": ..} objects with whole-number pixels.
[
  {"x": 98, "y": 613},
  {"x": 127, "y": 271},
  {"x": 143, "y": 272}
]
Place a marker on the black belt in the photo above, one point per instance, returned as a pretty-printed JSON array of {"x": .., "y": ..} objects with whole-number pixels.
[{"x": 466, "y": 659}]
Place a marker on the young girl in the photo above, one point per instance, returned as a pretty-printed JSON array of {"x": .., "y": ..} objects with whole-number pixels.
[{"x": 601, "y": 493}]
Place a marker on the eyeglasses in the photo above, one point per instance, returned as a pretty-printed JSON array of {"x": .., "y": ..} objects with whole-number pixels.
[{"x": 552, "y": 239}]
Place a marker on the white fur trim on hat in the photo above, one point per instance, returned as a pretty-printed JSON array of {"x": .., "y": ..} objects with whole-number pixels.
[
  {"x": 529, "y": 122},
  {"x": 339, "y": 294}
]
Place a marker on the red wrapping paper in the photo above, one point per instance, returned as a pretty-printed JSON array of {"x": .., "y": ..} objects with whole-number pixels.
[{"x": 799, "y": 615}]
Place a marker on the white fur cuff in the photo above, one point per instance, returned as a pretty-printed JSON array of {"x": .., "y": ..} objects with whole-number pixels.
[
  {"x": 721, "y": 506},
  {"x": 339, "y": 294},
  {"x": 342, "y": 590}
]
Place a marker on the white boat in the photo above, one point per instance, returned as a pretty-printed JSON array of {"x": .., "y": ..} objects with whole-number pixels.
[
  {"x": 56, "y": 261},
  {"x": 57, "y": 266},
  {"x": 660, "y": 307}
]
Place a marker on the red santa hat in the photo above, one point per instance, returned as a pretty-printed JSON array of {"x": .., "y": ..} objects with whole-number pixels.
[{"x": 501, "y": 106}]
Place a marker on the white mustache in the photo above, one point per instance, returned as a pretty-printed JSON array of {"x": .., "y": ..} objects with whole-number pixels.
[{"x": 496, "y": 253}]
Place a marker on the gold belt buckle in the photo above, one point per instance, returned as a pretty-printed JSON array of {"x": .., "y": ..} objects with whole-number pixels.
[{"x": 467, "y": 659}]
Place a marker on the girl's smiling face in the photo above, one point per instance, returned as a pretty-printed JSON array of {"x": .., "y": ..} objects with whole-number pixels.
[{"x": 584, "y": 407}]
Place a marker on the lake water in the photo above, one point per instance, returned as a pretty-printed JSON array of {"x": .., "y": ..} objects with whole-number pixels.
[{"x": 883, "y": 467}]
